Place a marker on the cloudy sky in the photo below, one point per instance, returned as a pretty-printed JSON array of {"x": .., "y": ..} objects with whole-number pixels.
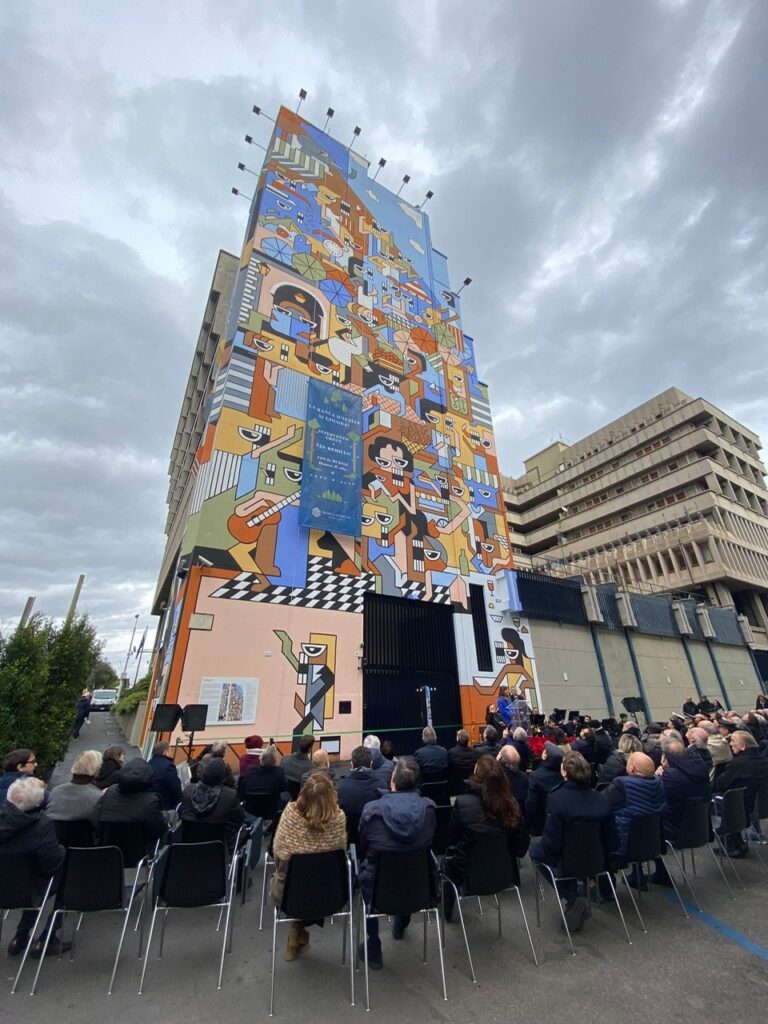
[{"x": 599, "y": 170}]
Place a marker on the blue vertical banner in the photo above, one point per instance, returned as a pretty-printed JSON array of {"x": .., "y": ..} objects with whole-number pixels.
[{"x": 333, "y": 455}]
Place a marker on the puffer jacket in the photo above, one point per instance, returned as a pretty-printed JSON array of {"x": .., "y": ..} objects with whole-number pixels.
[
  {"x": 396, "y": 821},
  {"x": 630, "y": 797}
]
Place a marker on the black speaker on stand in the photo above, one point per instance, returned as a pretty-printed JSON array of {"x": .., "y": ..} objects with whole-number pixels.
[
  {"x": 165, "y": 718},
  {"x": 633, "y": 705},
  {"x": 194, "y": 718}
]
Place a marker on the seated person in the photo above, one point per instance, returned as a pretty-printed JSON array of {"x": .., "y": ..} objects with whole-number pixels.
[
  {"x": 77, "y": 800},
  {"x": 638, "y": 792},
  {"x": 133, "y": 800},
  {"x": 253, "y": 748},
  {"x": 321, "y": 762},
  {"x": 519, "y": 740},
  {"x": 431, "y": 758},
  {"x": 382, "y": 764},
  {"x": 17, "y": 764},
  {"x": 313, "y": 823},
  {"x": 112, "y": 762},
  {"x": 685, "y": 780},
  {"x": 295, "y": 764},
  {"x": 487, "y": 808},
  {"x": 516, "y": 778},
  {"x": 490, "y": 742},
  {"x": 541, "y": 782},
  {"x": 165, "y": 777},
  {"x": 748, "y": 771},
  {"x": 213, "y": 802},
  {"x": 461, "y": 761},
  {"x": 574, "y": 801},
  {"x": 616, "y": 764},
  {"x": 266, "y": 778},
  {"x": 360, "y": 786}
]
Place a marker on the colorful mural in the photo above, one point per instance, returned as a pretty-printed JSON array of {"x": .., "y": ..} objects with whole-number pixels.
[{"x": 339, "y": 282}]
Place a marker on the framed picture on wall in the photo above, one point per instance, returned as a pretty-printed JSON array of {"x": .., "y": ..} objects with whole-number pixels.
[{"x": 230, "y": 701}]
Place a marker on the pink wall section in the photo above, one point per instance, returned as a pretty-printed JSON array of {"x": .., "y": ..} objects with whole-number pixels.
[{"x": 244, "y": 645}]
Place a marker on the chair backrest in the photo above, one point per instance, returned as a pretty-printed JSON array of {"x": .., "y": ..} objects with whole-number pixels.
[
  {"x": 644, "y": 840},
  {"x": 353, "y": 827},
  {"x": 293, "y": 788},
  {"x": 490, "y": 866},
  {"x": 761, "y": 808},
  {"x": 437, "y": 790},
  {"x": 79, "y": 832},
  {"x": 195, "y": 874},
  {"x": 442, "y": 829},
  {"x": 19, "y": 885},
  {"x": 92, "y": 879},
  {"x": 457, "y": 776},
  {"x": 316, "y": 885},
  {"x": 203, "y": 831},
  {"x": 583, "y": 852},
  {"x": 733, "y": 811},
  {"x": 405, "y": 882},
  {"x": 130, "y": 838},
  {"x": 536, "y": 826},
  {"x": 695, "y": 826},
  {"x": 261, "y": 805}
]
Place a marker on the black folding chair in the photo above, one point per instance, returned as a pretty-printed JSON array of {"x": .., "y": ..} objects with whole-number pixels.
[
  {"x": 437, "y": 790},
  {"x": 79, "y": 832},
  {"x": 442, "y": 829},
  {"x": 457, "y": 776},
  {"x": 536, "y": 826},
  {"x": 293, "y": 788},
  {"x": 195, "y": 875},
  {"x": 731, "y": 808},
  {"x": 405, "y": 883},
  {"x": 353, "y": 829},
  {"x": 140, "y": 853},
  {"x": 756, "y": 836},
  {"x": 218, "y": 832},
  {"x": 93, "y": 881},
  {"x": 645, "y": 844},
  {"x": 490, "y": 871},
  {"x": 317, "y": 885},
  {"x": 695, "y": 832},
  {"x": 583, "y": 857},
  {"x": 20, "y": 890}
]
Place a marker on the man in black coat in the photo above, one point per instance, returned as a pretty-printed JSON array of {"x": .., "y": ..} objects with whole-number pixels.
[
  {"x": 382, "y": 767},
  {"x": 431, "y": 758},
  {"x": 266, "y": 778},
  {"x": 603, "y": 744},
  {"x": 690, "y": 707},
  {"x": 461, "y": 762},
  {"x": 748, "y": 771},
  {"x": 25, "y": 829},
  {"x": 490, "y": 744},
  {"x": 164, "y": 775},
  {"x": 686, "y": 780},
  {"x": 134, "y": 800},
  {"x": 574, "y": 801},
  {"x": 518, "y": 738},
  {"x": 509, "y": 758},
  {"x": 541, "y": 782},
  {"x": 360, "y": 786},
  {"x": 82, "y": 712},
  {"x": 212, "y": 802}
]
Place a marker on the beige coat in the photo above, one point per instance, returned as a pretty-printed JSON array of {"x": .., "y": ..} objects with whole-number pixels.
[{"x": 295, "y": 836}]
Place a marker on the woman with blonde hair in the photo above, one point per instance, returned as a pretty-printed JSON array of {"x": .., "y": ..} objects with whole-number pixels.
[
  {"x": 616, "y": 762},
  {"x": 313, "y": 823}
]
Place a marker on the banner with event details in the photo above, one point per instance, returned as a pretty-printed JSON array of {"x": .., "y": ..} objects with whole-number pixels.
[{"x": 333, "y": 453}]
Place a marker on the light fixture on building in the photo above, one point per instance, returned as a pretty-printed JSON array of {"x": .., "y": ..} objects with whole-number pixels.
[
  {"x": 252, "y": 142},
  {"x": 467, "y": 281},
  {"x": 237, "y": 192},
  {"x": 260, "y": 113},
  {"x": 328, "y": 115},
  {"x": 242, "y": 167},
  {"x": 425, "y": 200},
  {"x": 406, "y": 179},
  {"x": 355, "y": 135},
  {"x": 382, "y": 163},
  {"x": 302, "y": 97}
]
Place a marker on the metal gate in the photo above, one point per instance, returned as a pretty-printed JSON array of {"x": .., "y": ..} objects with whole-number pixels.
[{"x": 410, "y": 675}]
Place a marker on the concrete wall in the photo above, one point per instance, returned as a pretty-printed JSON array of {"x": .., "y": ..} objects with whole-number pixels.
[
  {"x": 738, "y": 674},
  {"x": 666, "y": 674},
  {"x": 618, "y": 667},
  {"x": 567, "y": 651},
  {"x": 705, "y": 670}
]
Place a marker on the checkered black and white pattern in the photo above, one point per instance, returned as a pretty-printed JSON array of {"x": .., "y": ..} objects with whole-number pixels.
[{"x": 324, "y": 589}]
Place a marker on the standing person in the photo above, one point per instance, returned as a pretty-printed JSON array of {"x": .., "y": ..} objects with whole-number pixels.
[
  {"x": 82, "y": 712},
  {"x": 165, "y": 777},
  {"x": 17, "y": 764},
  {"x": 504, "y": 706},
  {"x": 312, "y": 823},
  {"x": 78, "y": 800},
  {"x": 113, "y": 761},
  {"x": 399, "y": 820}
]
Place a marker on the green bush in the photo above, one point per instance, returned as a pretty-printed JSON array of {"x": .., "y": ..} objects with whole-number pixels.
[
  {"x": 130, "y": 699},
  {"x": 43, "y": 670}
]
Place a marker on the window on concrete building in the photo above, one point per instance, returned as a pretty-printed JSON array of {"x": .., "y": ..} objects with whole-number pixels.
[{"x": 480, "y": 628}]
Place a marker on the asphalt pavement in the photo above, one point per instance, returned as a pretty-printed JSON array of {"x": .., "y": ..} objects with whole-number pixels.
[{"x": 713, "y": 966}]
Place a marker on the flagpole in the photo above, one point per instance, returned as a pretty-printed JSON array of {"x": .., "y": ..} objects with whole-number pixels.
[{"x": 140, "y": 654}]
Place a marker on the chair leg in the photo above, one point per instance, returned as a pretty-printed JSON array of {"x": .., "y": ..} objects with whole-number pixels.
[
  {"x": 274, "y": 947},
  {"x": 349, "y": 921},
  {"x": 48, "y": 935},
  {"x": 263, "y": 891},
  {"x": 618, "y": 905},
  {"x": 463, "y": 931},
  {"x": 720, "y": 869},
  {"x": 364, "y": 921},
  {"x": 632, "y": 896},
  {"x": 119, "y": 948},
  {"x": 31, "y": 937},
  {"x": 440, "y": 952},
  {"x": 685, "y": 879},
  {"x": 424, "y": 953},
  {"x": 729, "y": 860},
  {"x": 162, "y": 935},
  {"x": 228, "y": 927},
  {"x": 550, "y": 872},
  {"x": 149, "y": 946},
  {"x": 537, "y": 891},
  {"x": 480, "y": 906},
  {"x": 525, "y": 922}
]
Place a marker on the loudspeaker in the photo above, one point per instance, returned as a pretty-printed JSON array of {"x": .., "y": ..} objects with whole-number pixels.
[
  {"x": 166, "y": 717},
  {"x": 632, "y": 704},
  {"x": 193, "y": 717}
]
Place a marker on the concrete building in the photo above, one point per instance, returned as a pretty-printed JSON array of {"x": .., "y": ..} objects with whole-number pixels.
[{"x": 670, "y": 497}]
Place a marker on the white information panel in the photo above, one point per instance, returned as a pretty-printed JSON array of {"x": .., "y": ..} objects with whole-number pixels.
[{"x": 230, "y": 701}]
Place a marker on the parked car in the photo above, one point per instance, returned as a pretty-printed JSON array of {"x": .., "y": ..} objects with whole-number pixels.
[{"x": 103, "y": 700}]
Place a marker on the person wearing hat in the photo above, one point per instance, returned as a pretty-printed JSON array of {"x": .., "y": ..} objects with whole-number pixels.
[
  {"x": 252, "y": 756},
  {"x": 211, "y": 801},
  {"x": 543, "y": 781}
]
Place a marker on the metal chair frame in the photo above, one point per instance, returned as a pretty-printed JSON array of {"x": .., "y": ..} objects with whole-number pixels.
[
  {"x": 681, "y": 849},
  {"x": 40, "y": 909}
]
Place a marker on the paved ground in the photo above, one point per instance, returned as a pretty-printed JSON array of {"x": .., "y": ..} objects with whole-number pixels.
[{"x": 713, "y": 967}]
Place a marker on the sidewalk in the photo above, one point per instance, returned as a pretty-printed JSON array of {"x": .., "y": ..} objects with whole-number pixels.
[{"x": 103, "y": 732}]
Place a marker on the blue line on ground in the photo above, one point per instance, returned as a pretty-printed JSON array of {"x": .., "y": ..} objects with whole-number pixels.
[{"x": 717, "y": 925}]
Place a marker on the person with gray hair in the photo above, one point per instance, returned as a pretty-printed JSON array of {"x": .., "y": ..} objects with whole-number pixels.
[
  {"x": 748, "y": 771},
  {"x": 266, "y": 778},
  {"x": 166, "y": 783},
  {"x": 509, "y": 759},
  {"x": 77, "y": 800},
  {"x": 381, "y": 767},
  {"x": 431, "y": 758},
  {"x": 718, "y": 746},
  {"x": 519, "y": 741},
  {"x": 616, "y": 765},
  {"x": 698, "y": 747},
  {"x": 490, "y": 744},
  {"x": 25, "y": 830}
]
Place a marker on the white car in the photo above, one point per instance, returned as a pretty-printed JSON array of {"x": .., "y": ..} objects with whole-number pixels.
[{"x": 102, "y": 700}]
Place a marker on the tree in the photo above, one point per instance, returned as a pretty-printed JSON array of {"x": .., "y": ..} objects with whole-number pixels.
[{"x": 102, "y": 676}]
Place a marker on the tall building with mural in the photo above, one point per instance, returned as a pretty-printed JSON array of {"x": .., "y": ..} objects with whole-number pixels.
[{"x": 344, "y": 556}]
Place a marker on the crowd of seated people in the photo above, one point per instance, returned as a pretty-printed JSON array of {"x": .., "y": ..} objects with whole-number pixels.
[{"x": 528, "y": 785}]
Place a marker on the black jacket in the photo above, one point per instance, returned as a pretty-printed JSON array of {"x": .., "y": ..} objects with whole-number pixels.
[
  {"x": 396, "y": 821},
  {"x": 541, "y": 783},
  {"x": 685, "y": 779},
  {"x": 432, "y": 759},
  {"x": 294, "y": 766},
  {"x": 260, "y": 780},
  {"x": 357, "y": 789},
  {"x": 108, "y": 773},
  {"x": 166, "y": 781},
  {"x": 524, "y": 751},
  {"x": 134, "y": 800},
  {"x": 463, "y": 757},
  {"x": 31, "y": 833},
  {"x": 587, "y": 748},
  {"x": 487, "y": 748},
  {"x": 518, "y": 784},
  {"x": 603, "y": 746},
  {"x": 382, "y": 768},
  {"x": 614, "y": 767},
  {"x": 573, "y": 801},
  {"x": 690, "y": 708},
  {"x": 83, "y": 709},
  {"x": 214, "y": 805},
  {"x": 748, "y": 770},
  {"x": 468, "y": 824}
]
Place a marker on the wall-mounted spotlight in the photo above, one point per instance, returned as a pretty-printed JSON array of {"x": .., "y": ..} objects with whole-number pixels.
[
  {"x": 382, "y": 163},
  {"x": 467, "y": 281},
  {"x": 328, "y": 115},
  {"x": 355, "y": 135},
  {"x": 406, "y": 179},
  {"x": 302, "y": 97},
  {"x": 252, "y": 142},
  {"x": 237, "y": 192},
  {"x": 242, "y": 167},
  {"x": 260, "y": 113},
  {"x": 425, "y": 200}
]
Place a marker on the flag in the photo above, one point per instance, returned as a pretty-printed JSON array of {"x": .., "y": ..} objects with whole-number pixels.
[{"x": 141, "y": 645}]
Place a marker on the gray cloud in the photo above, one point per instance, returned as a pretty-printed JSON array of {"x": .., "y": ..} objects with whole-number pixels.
[{"x": 598, "y": 171}]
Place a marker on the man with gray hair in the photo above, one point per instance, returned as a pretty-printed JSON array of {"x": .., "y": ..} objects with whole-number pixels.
[
  {"x": 718, "y": 746},
  {"x": 77, "y": 800},
  {"x": 431, "y": 758},
  {"x": 697, "y": 747},
  {"x": 509, "y": 758},
  {"x": 490, "y": 744},
  {"x": 26, "y": 830},
  {"x": 381, "y": 767}
]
